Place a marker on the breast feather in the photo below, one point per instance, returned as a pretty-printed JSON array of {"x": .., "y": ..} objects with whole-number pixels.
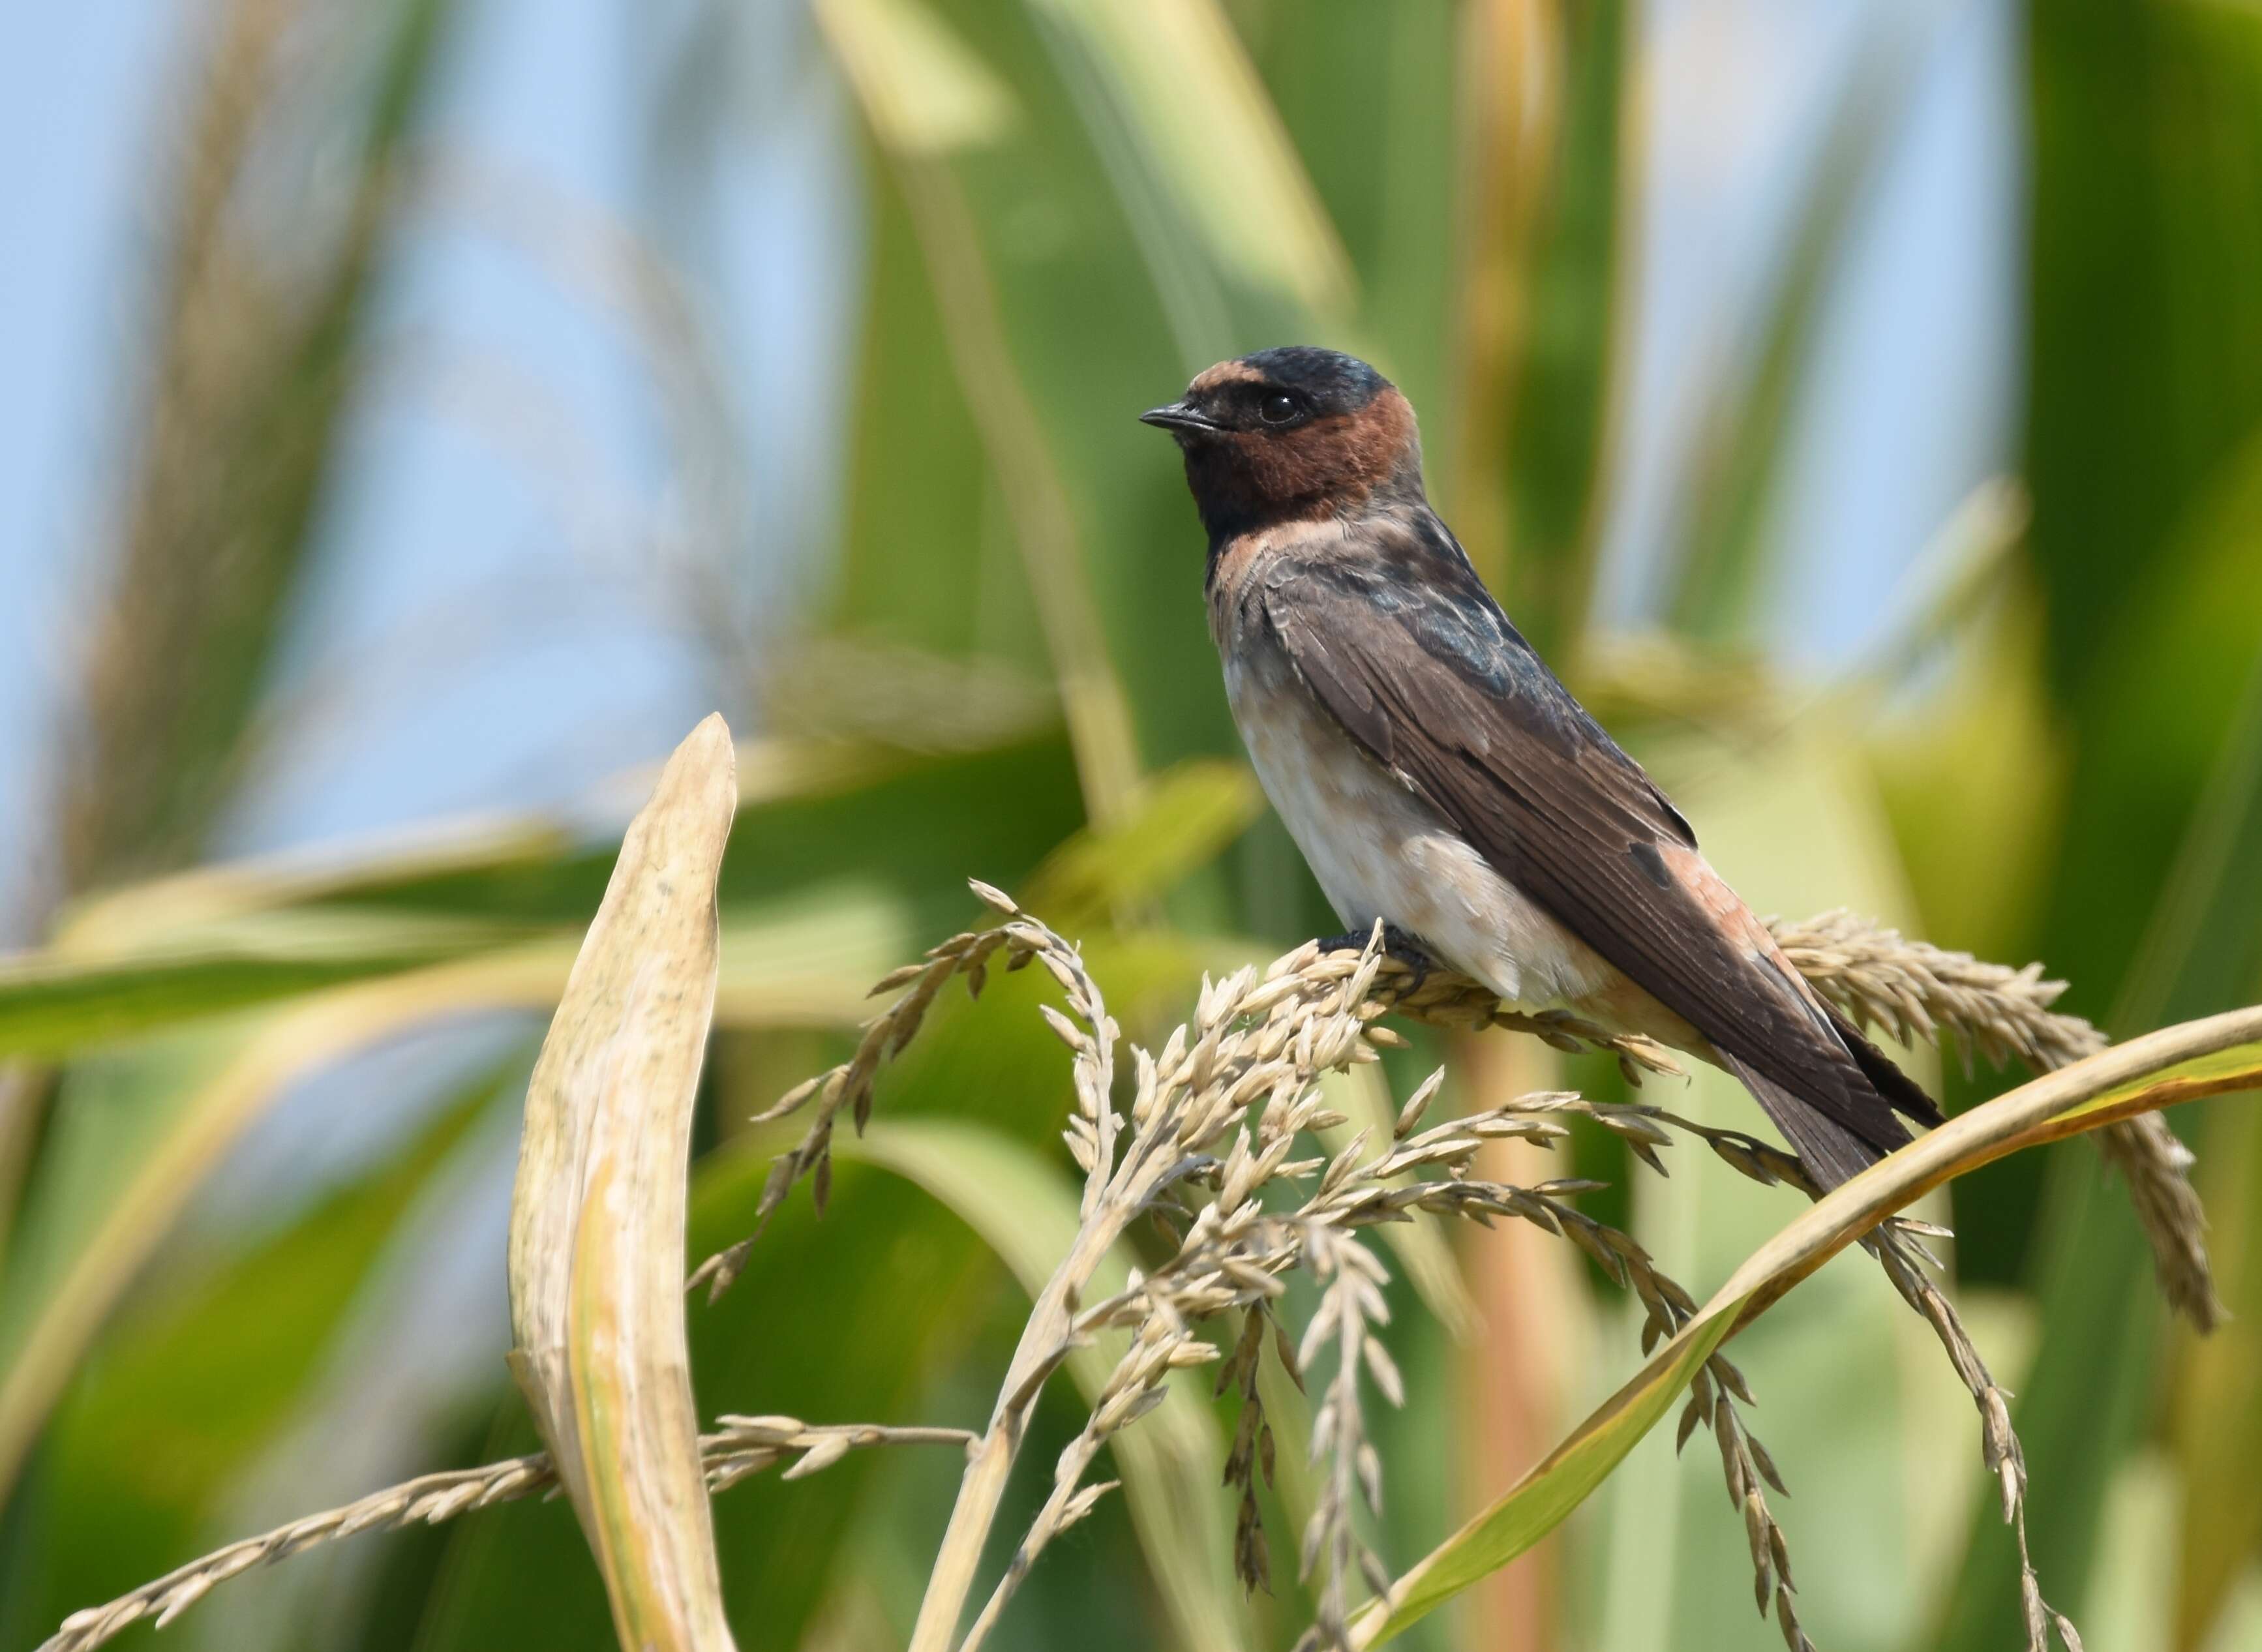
[{"x": 1379, "y": 850}]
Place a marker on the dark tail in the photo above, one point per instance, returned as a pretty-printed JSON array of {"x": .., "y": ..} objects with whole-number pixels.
[
  {"x": 1831, "y": 1152},
  {"x": 1901, "y": 1093}
]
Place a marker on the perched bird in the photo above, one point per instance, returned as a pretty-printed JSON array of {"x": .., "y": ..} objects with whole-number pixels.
[{"x": 1439, "y": 778}]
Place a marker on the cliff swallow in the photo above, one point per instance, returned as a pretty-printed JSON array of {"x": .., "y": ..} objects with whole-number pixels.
[{"x": 1439, "y": 778}]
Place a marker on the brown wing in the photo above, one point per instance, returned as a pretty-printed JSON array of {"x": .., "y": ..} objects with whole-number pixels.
[{"x": 1411, "y": 655}]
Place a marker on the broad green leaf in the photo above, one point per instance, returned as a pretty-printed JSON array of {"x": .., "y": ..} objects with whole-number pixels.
[
  {"x": 1025, "y": 1211},
  {"x": 924, "y": 91},
  {"x": 51, "y": 1003},
  {"x": 808, "y": 955},
  {"x": 132, "y": 1142},
  {"x": 206, "y": 902},
  {"x": 1181, "y": 822},
  {"x": 138, "y": 1130},
  {"x": 2145, "y": 130},
  {"x": 2219, "y": 1055},
  {"x": 808, "y": 819},
  {"x": 455, "y": 867},
  {"x": 818, "y": 842},
  {"x": 182, "y": 1397},
  {"x": 1021, "y": 246},
  {"x": 1169, "y": 79},
  {"x": 1397, "y": 184},
  {"x": 1561, "y": 422}
]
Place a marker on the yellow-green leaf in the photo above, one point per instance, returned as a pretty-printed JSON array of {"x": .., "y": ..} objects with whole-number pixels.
[
  {"x": 2220, "y": 1054},
  {"x": 1188, "y": 94},
  {"x": 923, "y": 88}
]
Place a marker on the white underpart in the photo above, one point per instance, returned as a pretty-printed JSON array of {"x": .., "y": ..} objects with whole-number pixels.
[{"x": 1379, "y": 851}]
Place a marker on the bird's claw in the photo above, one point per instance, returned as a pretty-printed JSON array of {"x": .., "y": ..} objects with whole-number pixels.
[
  {"x": 1396, "y": 944},
  {"x": 1411, "y": 953}
]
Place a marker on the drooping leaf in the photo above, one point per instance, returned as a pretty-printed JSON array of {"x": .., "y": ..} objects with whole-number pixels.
[
  {"x": 2176, "y": 747},
  {"x": 138, "y": 1130},
  {"x": 2220, "y": 1055},
  {"x": 50, "y": 1005},
  {"x": 1792, "y": 823}
]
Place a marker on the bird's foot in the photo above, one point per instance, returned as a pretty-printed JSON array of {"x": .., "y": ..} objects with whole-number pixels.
[
  {"x": 1396, "y": 944},
  {"x": 1411, "y": 953}
]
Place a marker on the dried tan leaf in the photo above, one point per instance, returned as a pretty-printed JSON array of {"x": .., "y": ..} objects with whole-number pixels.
[{"x": 596, "y": 1233}]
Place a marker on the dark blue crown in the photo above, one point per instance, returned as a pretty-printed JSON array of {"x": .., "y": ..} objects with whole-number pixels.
[{"x": 1336, "y": 383}]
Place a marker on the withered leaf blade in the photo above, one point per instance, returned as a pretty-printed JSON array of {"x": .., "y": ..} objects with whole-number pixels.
[{"x": 596, "y": 1231}]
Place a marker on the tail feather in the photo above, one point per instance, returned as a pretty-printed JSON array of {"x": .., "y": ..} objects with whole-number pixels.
[
  {"x": 1842, "y": 1133},
  {"x": 1902, "y": 1093},
  {"x": 1830, "y": 1152}
]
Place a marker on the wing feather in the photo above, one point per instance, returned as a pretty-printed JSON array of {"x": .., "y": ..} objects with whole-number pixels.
[{"x": 1426, "y": 674}]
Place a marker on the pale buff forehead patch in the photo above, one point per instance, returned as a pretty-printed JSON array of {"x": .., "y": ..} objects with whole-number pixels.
[{"x": 1226, "y": 372}]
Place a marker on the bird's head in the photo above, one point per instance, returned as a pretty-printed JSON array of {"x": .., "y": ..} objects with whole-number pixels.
[{"x": 1292, "y": 434}]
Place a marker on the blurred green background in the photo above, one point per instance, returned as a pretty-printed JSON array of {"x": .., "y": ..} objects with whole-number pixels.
[{"x": 425, "y": 409}]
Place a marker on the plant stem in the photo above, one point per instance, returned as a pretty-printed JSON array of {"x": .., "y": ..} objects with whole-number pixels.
[{"x": 1043, "y": 1341}]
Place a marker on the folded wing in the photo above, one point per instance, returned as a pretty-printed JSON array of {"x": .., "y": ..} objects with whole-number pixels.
[{"x": 1418, "y": 664}]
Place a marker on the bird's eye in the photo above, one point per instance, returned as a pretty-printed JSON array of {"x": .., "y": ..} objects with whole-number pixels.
[{"x": 1277, "y": 409}]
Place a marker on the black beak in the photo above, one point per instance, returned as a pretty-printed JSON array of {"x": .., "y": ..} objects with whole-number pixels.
[{"x": 1178, "y": 416}]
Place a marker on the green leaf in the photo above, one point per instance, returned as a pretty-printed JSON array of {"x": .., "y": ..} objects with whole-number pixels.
[
  {"x": 1561, "y": 422},
  {"x": 1791, "y": 823},
  {"x": 813, "y": 861},
  {"x": 134, "y": 1136},
  {"x": 138, "y": 1130},
  {"x": 2213, "y": 1056},
  {"x": 183, "y": 1396},
  {"x": 53, "y": 1003},
  {"x": 2167, "y": 800},
  {"x": 1169, "y": 81},
  {"x": 1183, "y": 819},
  {"x": 1025, "y": 1211}
]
